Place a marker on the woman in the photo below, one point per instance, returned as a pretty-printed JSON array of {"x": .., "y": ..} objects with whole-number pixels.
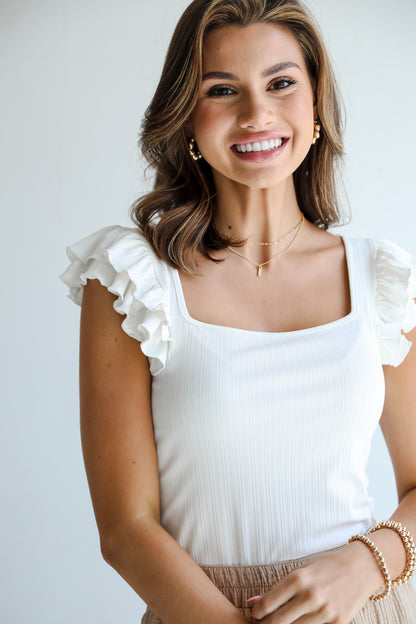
[{"x": 226, "y": 454}]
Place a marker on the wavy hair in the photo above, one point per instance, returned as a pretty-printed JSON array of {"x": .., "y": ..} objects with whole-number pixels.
[{"x": 176, "y": 217}]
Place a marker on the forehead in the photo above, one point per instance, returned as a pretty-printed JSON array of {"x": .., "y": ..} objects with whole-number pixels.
[{"x": 257, "y": 45}]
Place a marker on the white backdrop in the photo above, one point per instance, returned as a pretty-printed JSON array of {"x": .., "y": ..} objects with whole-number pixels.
[{"x": 76, "y": 76}]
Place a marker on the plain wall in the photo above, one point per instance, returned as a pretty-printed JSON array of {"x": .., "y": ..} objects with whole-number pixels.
[{"x": 76, "y": 76}]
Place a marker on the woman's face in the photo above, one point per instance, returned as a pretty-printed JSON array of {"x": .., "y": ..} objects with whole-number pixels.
[{"x": 253, "y": 122}]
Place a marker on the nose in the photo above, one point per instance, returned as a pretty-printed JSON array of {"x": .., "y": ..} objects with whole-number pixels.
[{"x": 256, "y": 111}]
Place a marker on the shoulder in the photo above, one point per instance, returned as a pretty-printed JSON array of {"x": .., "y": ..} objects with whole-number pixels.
[
  {"x": 118, "y": 244},
  {"x": 109, "y": 252},
  {"x": 388, "y": 273},
  {"x": 125, "y": 263},
  {"x": 391, "y": 267}
]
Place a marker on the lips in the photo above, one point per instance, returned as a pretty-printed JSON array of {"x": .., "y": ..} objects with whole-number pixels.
[{"x": 259, "y": 146}]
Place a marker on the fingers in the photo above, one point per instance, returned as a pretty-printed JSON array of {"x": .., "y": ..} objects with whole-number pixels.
[
  {"x": 273, "y": 599},
  {"x": 251, "y": 601},
  {"x": 295, "y": 600},
  {"x": 279, "y": 617},
  {"x": 314, "y": 618},
  {"x": 278, "y": 596},
  {"x": 288, "y": 613}
]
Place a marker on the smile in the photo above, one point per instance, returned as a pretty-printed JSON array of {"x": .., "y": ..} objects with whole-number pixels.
[
  {"x": 259, "y": 146},
  {"x": 260, "y": 151}
]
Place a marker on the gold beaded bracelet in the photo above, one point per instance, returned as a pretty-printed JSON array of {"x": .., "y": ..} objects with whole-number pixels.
[
  {"x": 380, "y": 562},
  {"x": 409, "y": 547}
]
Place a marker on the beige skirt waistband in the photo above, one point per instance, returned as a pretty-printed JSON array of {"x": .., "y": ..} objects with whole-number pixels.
[{"x": 238, "y": 583}]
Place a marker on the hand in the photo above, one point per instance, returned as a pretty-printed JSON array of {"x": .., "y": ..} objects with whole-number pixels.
[{"x": 329, "y": 589}]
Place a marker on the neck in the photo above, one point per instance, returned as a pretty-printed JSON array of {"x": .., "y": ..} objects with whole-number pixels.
[{"x": 256, "y": 214}]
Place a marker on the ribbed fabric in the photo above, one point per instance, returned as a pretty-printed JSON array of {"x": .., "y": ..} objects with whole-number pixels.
[
  {"x": 238, "y": 583},
  {"x": 262, "y": 437}
]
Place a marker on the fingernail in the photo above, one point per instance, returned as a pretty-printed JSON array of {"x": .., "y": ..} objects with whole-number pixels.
[{"x": 254, "y": 599}]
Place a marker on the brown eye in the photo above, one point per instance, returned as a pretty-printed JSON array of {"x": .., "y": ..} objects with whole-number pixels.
[
  {"x": 220, "y": 91},
  {"x": 282, "y": 83}
]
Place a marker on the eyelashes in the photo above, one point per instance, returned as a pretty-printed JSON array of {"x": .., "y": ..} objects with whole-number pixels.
[
  {"x": 220, "y": 91},
  {"x": 223, "y": 91},
  {"x": 282, "y": 83}
]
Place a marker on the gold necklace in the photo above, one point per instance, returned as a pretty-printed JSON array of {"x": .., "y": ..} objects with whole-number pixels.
[
  {"x": 279, "y": 240},
  {"x": 262, "y": 264}
]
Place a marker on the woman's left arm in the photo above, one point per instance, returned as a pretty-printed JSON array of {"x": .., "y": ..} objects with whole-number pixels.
[
  {"x": 334, "y": 587},
  {"x": 398, "y": 423}
]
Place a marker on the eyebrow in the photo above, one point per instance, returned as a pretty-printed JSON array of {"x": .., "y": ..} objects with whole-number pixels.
[{"x": 274, "y": 69}]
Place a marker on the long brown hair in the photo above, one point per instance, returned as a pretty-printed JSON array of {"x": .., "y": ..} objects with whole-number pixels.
[{"x": 177, "y": 216}]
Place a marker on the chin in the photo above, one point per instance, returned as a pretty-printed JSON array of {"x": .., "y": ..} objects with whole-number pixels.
[
  {"x": 264, "y": 180},
  {"x": 259, "y": 179}
]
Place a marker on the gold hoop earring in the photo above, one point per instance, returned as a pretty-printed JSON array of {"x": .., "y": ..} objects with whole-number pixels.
[
  {"x": 316, "y": 133},
  {"x": 196, "y": 154}
]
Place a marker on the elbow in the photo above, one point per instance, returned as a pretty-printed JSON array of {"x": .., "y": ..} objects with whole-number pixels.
[
  {"x": 118, "y": 543},
  {"x": 108, "y": 552},
  {"x": 113, "y": 541},
  {"x": 110, "y": 546}
]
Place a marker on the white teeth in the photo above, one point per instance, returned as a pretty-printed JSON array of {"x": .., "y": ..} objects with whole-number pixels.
[{"x": 257, "y": 146}]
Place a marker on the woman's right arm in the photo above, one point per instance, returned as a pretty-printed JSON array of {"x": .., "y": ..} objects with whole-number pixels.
[{"x": 120, "y": 459}]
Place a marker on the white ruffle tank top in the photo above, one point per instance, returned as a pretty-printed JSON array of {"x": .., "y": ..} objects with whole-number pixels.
[{"x": 262, "y": 437}]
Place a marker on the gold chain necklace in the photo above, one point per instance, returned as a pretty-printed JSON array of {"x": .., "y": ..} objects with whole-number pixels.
[
  {"x": 262, "y": 264},
  {"x": 279, "y": 240}
]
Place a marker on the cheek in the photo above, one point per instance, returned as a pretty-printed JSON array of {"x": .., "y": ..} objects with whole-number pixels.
[
  {"x": 300, "y": 112},
  {"x": 210, "y": 123},
  {"x": 202, "y": 119}
]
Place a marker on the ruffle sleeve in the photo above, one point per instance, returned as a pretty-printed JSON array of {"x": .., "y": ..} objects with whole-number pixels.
[
  {"x": 123, "y": 261},
  {"x": 395, "y": 305}
]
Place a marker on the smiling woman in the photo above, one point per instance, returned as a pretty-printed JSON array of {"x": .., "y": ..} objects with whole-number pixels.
[
  {"x": 260, "y": 102},
  {"x": 226, "y": 456},
  {"x": 192, "y": 72}
]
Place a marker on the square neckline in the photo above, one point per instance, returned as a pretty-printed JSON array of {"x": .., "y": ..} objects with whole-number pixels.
[{"x": 228, "y": 328}]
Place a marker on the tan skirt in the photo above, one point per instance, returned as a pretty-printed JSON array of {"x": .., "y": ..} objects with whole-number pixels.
[{"x": 238, "y": 583}]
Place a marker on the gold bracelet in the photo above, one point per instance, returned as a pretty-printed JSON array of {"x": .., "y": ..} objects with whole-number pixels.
[
  {"x": 380, "y": 562},
  {"x": 409, "y": 547}
]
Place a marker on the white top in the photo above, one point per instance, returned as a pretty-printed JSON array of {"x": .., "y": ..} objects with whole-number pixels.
[{"x": 262, "y": 437}]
